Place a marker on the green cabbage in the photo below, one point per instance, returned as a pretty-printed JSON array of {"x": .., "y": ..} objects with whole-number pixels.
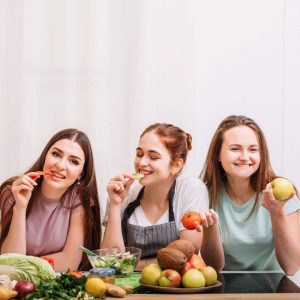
[
  {"x": 35, "y": 269},
  {"x": 13, "y": 273}
]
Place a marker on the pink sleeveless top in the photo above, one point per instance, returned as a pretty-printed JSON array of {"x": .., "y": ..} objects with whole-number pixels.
[{"x": 48, "y": 223}]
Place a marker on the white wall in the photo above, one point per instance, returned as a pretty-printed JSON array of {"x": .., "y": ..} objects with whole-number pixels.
[{"x": 112, "y": 67}]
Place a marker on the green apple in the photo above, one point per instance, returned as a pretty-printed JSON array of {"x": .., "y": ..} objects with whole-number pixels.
[
  {"x": 210, "y": 275},
  {"x": 282, "y": 188},
  {"x": 151, "y": 274},
  {"x": 169, "y": 278},
  {"x": 193, "y": 279}
]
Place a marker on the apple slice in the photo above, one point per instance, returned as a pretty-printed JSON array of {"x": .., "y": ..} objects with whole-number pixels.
[{"x": 138, "y": 176}]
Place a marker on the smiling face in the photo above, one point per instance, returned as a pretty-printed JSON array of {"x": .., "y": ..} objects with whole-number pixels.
[
  {"x": 240, "y": 154},
  {"x": 65, "y": 160},
  {"x": 153, "y": 160}
]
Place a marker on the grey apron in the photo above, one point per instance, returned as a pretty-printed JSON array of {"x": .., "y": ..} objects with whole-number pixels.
[{"x": 150, "y": 238}]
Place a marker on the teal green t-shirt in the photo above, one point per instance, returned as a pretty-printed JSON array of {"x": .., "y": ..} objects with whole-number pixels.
[{"x": 248, "y": 243}]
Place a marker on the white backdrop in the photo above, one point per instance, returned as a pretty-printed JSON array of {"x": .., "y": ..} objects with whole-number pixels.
[{"x": 113, "y": 67}]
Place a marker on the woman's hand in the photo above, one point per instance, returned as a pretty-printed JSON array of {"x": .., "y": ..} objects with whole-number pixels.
[
  {"x": 22, "y": 189},
  {"x": 211, "y": 248},
  {"x": 269, "y": 202},
  {"x": 209, "y": 219},
  {"x": 118, "y": 188},
  {"x": 285, "y": 230},
  {"x": 143, "y": 262}
]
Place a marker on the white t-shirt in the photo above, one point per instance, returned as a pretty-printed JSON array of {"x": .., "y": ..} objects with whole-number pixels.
[{"x": 190, "y": 195}]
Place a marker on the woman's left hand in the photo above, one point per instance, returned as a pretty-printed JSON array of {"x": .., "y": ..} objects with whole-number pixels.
[{"x": 269, "y": 202}]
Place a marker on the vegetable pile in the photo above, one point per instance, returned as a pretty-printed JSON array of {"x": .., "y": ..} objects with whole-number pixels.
[
  {"x": 65, "y": 286},
  {"x": 31, "y": 278}
]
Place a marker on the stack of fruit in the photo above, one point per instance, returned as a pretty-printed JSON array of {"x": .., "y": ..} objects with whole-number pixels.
[{"x": 178, "y": 266}]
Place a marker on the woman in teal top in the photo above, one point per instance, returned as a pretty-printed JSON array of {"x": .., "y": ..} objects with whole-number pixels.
[{"x": 257, "y": 231}]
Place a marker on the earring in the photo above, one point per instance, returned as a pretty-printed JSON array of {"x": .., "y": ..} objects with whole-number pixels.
[{"x": 78, "y": 182}]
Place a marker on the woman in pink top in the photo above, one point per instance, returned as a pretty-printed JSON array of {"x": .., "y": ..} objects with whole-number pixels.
[{"x": 54, "y": 208}]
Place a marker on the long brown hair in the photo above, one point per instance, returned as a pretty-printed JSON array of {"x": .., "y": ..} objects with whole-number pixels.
[
  {"x": 87, "y": 191},
  {"x": 213, "y": 173}
]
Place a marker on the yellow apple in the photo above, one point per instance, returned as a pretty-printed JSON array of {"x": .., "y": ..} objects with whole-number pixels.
[
  {"x": 282, "y": 188},
  {"x": 193, "y": 279},
  {"x": 150, "y": 274},
  {"x": 210, "y": 275}
]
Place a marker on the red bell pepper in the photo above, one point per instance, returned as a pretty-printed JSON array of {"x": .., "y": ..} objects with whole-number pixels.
[{"x": 49, "y": 260}]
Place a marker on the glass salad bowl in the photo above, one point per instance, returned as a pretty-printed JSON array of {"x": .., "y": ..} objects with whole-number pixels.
[{"x": 124, "y": 262}]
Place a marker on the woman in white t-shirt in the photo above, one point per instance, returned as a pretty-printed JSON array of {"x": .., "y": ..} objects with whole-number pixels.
[{"x": 147, "y": 214}]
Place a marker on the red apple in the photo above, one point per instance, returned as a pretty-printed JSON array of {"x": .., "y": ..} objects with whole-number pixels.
[
  {"x": 188, "y": 219},
  {"x": 188, "y": 265},
  {"x": 169, "y": 278},
  {"x": 197, "y": 261}
]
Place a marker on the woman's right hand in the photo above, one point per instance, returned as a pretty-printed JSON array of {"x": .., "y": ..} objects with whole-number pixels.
[
  {"x": 22, "y": 189},
  {"x": 118, "y": 187},
  {"x": 209, "y": 219}
]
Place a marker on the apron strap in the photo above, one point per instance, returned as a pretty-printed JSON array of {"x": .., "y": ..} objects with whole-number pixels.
[
  {"x": 134, "y": 204},
  {"x": 171, "y": 197},
  {"x": 128, "y": 212}
]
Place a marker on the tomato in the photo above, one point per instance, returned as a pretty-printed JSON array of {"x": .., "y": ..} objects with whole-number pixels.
[
  {"x": 75, "y": 274},
  {"x": 49, "y": 260},
  {"x": 188, "y": 219}
]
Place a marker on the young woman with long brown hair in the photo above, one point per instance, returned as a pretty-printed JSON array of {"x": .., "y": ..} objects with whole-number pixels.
[
  {"x": 54, "y": 208},
  {"x": 257, "y": 231}
]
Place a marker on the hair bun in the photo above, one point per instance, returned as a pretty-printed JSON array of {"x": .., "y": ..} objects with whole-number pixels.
[{"x": 189, "y": 141}]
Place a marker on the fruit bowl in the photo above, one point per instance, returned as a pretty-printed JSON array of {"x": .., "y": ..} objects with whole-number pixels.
[
  {"x": 124, "y": 262},
  {"x": 181, "y": 290}
]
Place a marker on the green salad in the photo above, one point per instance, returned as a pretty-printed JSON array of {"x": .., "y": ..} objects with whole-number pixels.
[{"x": 122, "y": 263}]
